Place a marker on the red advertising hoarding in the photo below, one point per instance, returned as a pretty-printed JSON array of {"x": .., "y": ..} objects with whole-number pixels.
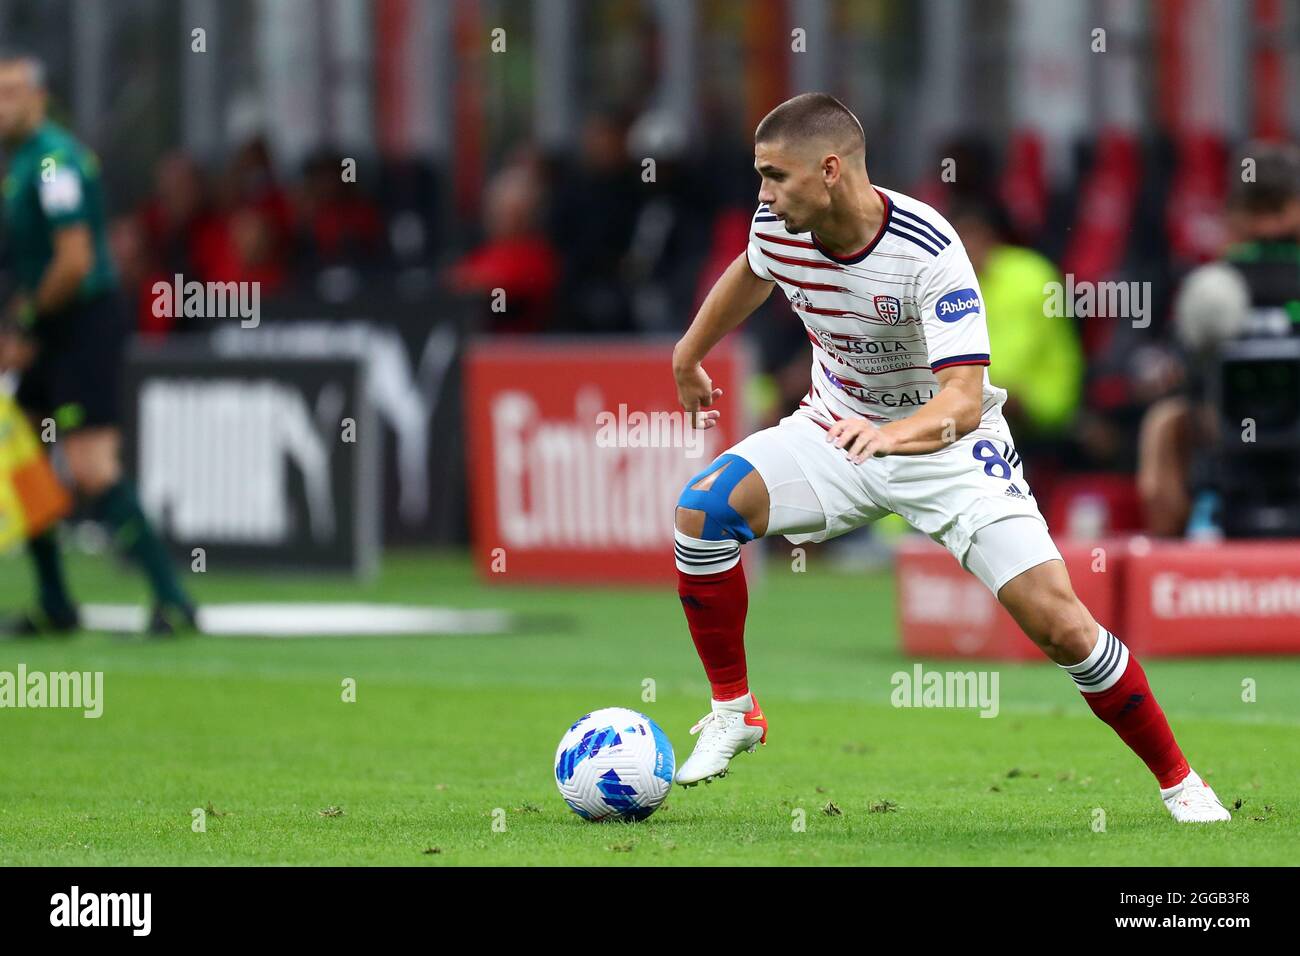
[
  {"x": 578, "y": 451},
  {"x": 1239, "y": 597},
  {"x": 1163, "y": 599},
  {"x": 945, "y": 611}
]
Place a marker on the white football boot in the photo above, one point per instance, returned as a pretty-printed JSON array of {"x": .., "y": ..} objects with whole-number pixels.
[
  {"x": 1192, "y": 801},
  {"x": 730, "y": 727}
]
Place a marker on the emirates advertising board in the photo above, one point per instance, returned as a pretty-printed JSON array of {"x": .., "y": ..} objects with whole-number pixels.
[{"x": 578, "y": 450}]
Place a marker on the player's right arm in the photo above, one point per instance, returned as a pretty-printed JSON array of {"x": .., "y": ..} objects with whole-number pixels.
[{"x": 736, "y": 294}]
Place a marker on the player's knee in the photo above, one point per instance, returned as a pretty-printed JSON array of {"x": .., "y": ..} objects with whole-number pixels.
[
  {"x": 1068, "y": 632},
  {"x": 689, "y": 521},
  {"x": 707, "y": 508},
  {"x": 93, "y": 469},
  {"x": 94, "y": 479}
]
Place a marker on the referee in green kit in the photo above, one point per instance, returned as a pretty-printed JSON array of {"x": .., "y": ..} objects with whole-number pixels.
[{"x": 65, "y": 331}]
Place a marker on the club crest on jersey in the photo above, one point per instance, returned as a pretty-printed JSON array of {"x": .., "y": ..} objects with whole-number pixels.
[
  {"x": 956, "y": 305},
  {"x": 888, "y": 308},
  {"x": 799, "y": 299}
]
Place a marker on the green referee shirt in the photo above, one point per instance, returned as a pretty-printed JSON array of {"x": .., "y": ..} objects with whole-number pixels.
[{"x": 53, "y": 182}]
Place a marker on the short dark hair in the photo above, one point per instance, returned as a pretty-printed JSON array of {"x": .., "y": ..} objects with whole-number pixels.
[
  {"x": 1276, "y": 181},
  {"x": 813, "y": 116}
]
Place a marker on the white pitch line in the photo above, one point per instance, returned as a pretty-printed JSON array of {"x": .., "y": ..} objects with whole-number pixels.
[{"x": 309, "y": 620}]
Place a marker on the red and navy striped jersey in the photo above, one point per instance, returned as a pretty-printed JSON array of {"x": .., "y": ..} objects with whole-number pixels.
[{"x": 883, "y": 320}]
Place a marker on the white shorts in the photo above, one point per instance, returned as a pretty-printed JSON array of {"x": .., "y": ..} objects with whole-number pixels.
[{"x": 816, "y": 493}]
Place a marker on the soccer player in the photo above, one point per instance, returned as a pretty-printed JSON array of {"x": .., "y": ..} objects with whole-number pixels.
[
  {"x": 65, "y": 331},
  {"x": 900, "y": 417}
]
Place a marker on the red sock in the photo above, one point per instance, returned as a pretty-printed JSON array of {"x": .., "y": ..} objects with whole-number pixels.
[
  {"x": 715, "y": 606},
  {"x": 1132, "y": 711}
]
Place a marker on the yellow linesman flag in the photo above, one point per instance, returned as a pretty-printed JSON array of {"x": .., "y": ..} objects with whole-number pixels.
[{"x": 31, "y": 497}]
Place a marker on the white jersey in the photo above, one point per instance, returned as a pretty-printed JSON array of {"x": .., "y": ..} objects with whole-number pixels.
[{"x": 883, "y": 320}]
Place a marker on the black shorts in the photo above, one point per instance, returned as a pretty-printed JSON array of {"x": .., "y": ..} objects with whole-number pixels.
[{"x": 75, "y": 376}]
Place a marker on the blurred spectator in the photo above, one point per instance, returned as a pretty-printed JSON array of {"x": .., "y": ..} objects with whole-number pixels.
[
  {"x": 968, "y": 171},
  {"x": 248, "y": 184},
  {"x": 1036, "y": 356},
  {"x": 1254, "y": 290},
  {"x": 591, "y": 220},
  {"x": 179, "y": 224},
  {"x": 254, "y": 251},
  {"x": 671, "y": 234},
  {"x": 137, "y": 265},
  {"x": 240, "y": 235},
  {"x": 517, "y": 257},
  {"x": 336, "y": 221},
  {"x": 252, "y": 238}
]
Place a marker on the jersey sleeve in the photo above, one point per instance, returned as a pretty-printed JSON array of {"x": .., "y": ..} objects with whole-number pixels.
[
  {"x": 952, "y": 311},
  {"x": 61, "y": 189},
  {"x": 754, "y": 253}
]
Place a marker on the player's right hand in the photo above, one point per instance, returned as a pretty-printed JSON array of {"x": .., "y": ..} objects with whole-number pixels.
[{"x": 695, "y": 391}]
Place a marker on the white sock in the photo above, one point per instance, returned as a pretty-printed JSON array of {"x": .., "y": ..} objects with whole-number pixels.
[
  {"x": 1191, "y": 778},
  {"x": 1103, "y": 668},
  {"x": 743, "y": 704},
  {"x": 697, "y": 556}
]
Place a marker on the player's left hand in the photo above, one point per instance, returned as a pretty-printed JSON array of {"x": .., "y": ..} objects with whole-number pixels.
[{"x": 860, "y": 439}]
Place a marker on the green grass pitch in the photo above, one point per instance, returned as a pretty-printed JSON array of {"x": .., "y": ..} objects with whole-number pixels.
[{"x": 451, "y": 735}]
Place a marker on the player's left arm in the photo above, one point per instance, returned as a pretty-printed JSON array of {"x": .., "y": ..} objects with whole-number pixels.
[
  {"x": 952, "y": 413},
  {"x": 74, "y": 257}
]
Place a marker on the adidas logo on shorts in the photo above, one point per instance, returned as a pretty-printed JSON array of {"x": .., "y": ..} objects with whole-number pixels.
[{"x": 1014, "y": 492}]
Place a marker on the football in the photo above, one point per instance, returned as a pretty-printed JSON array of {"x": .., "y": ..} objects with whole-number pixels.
[{"x": 614, "y": 764}]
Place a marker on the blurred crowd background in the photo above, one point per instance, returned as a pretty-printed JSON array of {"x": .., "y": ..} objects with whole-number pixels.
[{"x": 502, "y": 144}]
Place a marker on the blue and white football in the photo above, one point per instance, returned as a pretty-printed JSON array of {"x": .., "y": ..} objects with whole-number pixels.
[{"x": 614, "y": 764}]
